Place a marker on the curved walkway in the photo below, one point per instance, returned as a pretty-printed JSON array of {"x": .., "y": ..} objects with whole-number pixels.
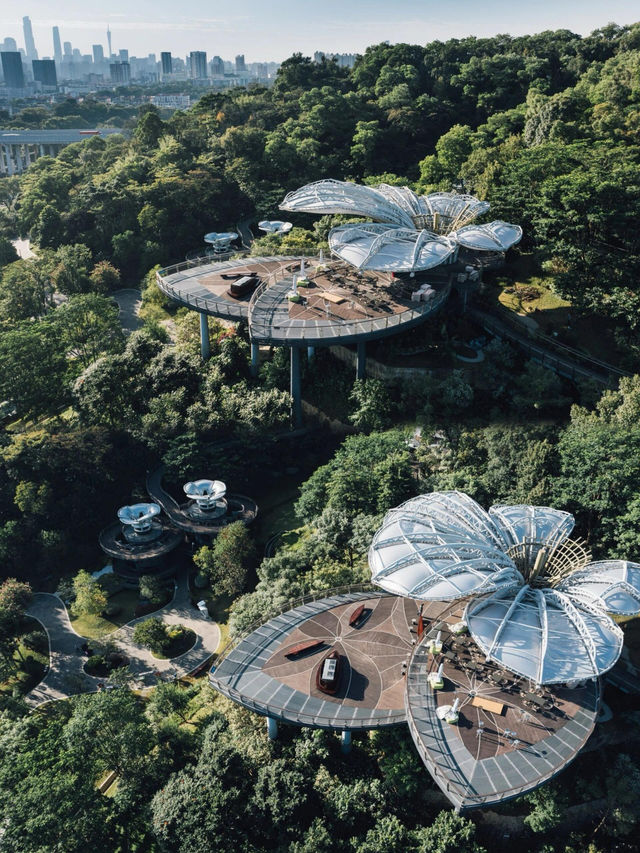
[{"x": 66, "y": 676}]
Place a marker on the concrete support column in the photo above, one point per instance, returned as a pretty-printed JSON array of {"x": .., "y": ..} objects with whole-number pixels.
[
  {"x": 345, "y": 741},
  {"x": 255, "y": 356},
  {"x": 205, "y": 344},
  {"x": 311, "y": 351},
  {"x": 296, "y": 388},
  {"x": 272, "y": 728},
  {"x": 361, "y": 367}
]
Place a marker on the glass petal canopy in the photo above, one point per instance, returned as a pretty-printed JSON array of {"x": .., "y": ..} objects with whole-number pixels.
[
  {"x": 444, "y": 546},
  {"x": 419, "y": 221}
]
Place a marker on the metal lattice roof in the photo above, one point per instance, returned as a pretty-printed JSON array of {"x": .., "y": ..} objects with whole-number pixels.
[
  {"x": 550, "y": 628},
  {"x": 388, "y": 247}
]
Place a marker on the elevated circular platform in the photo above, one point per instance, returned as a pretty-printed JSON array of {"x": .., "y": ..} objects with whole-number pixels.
[
  {"x": 132, "y": 559},
  {"x": 509, "y": 739},
  {"x": 337, "y": 303},
  {"x": 263, "y": 672},
  {"x": 239, "y": 508}
]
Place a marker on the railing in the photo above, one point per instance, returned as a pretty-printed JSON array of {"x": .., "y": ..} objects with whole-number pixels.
[
  {"x": 263, "y": 328},
  {"x": 291, "y": 604},
  {"x": 280, "y": 712},
  {"x": 564, "y": 359},
  {"x": 464, "y": 797}
]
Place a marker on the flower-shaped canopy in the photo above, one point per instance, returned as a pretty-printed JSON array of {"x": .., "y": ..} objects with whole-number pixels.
[
  {"x": 444, "y": 546},
  {"x": 412, "y": 223}
]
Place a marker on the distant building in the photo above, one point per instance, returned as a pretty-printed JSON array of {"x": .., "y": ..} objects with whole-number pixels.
[
  {"x": 29, "y": 43},
  {"x": 123, "y": 55},
  {"x": 9, "y": 46},
  {"x": 241, "y": 67},
  {"x": 172, "y": 102},
  {"x": 44, "y": 71},
  {"x": 57, "y": 46},
  {"x": 217, "y": 66},
  {"x": 67, "y": 49},
  {"x": 167, "y": 65},
  {"x": 198, "y": 64},
  {"x": 12, "y": 69},
  {"x": 98, "y": 54},
  {"x": 20, "y": 148},
  {"x": 344, "y": 60},
  {"x": 120, "y": 73}
]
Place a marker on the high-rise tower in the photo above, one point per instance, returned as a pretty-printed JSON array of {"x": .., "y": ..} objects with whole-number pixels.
[
  {"x": 57, "y": 46},
  {"x": 29, "y": 44},
  {"x": 109, "y": 41}
]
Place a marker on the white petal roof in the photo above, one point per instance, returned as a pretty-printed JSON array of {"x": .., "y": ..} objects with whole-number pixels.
[
  {"x": 496, "y": 236},
  {"x": 274, "y": 226},
  {"x": 440, "y": 547},
  {"x": 375, "y": 246},
  {"x": 138, "y": 513},
  {"x": 330, "y": 196},
  {"x": 543, "y": 635},
  {"x": 613, "y": 585},
  {"x": 540, "y": 524},
  {"x": 213, "y": 489}
]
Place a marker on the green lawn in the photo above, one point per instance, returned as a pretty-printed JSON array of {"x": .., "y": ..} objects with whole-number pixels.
[{"x": 95, "y": 627}]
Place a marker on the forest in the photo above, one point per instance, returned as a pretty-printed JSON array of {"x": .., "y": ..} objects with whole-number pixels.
[{"x": 546, "y": 128}]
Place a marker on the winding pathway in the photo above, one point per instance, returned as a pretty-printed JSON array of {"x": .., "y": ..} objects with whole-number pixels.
[{"x": 66, "y": 676}]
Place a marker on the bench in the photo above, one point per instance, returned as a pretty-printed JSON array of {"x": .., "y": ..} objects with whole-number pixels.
[
  {"x": 357, "y": 613},
  {"x": 304, "y": 647},
  {"x": 488, "y": 704}
]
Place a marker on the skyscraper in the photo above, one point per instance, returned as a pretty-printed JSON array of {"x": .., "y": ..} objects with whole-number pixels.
[
  {"x": 29, "y": 44},
  {"x": 98, "y": 53},
  {"x": 241, "y": 67},
  {"x": 109, "y": 41},
  {"x": 167, "y": 65},
  {"x": 12, "y": 69},
  {"x": 44, "y": 71},
  {"x": 123, "y": 55},
  {"x": 120, "y": 73},
  {"x": 217, "y": 66},
  {"x": 9, "y": 45},
  {"x": 57, "y": 47},
  {"x": 67, "y": 49},
  {"x": 198, "y": 64}
]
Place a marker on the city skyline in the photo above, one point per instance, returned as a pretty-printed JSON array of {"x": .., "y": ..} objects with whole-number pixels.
[{"x": 280, "y": 29}]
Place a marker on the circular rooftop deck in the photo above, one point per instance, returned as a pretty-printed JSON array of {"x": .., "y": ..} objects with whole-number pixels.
[
  {"x": 339, "y": 305},
  {"x": 508, "y": 740},
  {"x": 258, "y": 674}
]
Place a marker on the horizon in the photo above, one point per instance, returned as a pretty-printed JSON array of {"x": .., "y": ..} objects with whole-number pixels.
[{"x": 331, "y": 29}]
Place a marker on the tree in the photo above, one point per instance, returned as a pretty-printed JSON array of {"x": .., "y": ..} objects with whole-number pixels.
[
  {"x": 152, "y": 633},
  {"x": 547, "y": 811},
  {"x": 70, "y": 273},
  {"x": 24, "y": 290},
  {"x": 449, "y": 833},
  {"x": 168, "y": 699},
  {"x": 90, "y": 598},
  {"x": 153, "y": 588},
  {"x": 104, "y": 277},
  {"x": 32, "y": 369},
  {"x": 15, "y": 597},
  {"x": 226, "y": 561},
  {"x": 89, "y": 327},
  {"x": 372, "y": 403}
]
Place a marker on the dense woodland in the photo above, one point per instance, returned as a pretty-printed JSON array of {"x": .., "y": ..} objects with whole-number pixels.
[{"x": 544, "y": 127}]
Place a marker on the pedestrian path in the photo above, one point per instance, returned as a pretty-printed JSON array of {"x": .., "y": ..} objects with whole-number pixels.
[{"x": 66, "y": 676}]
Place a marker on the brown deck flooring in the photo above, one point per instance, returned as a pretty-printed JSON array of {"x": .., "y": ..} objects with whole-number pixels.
[
  {"x": 366, "y": 296},
  {"x": 219, "y": 286},
  {"x": 529, "y": 725},
  {"x": 371, "y": 655}
]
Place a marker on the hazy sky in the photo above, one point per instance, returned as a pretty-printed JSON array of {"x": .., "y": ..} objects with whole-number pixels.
[{"x": 264, "y": 30}]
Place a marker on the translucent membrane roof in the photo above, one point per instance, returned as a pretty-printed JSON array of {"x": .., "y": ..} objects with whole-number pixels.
[
  {"x": 139, "y": 516},
  {"x": 444, "y": 546},
  {"x": 542, "y": 635},
  {"x": 389, "y": 248},
  {"x": 441, "y": 547},
  {"x": 614, "y": 585},
  {"x": 274, "y": 226},
  {"x": 210, "y": 489},
  {"x": 495, "y": 237},
  {"x": 220, "y": 238},
  {"x": 526, "y": 523},
  {"x": 418, "y": 220}
]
